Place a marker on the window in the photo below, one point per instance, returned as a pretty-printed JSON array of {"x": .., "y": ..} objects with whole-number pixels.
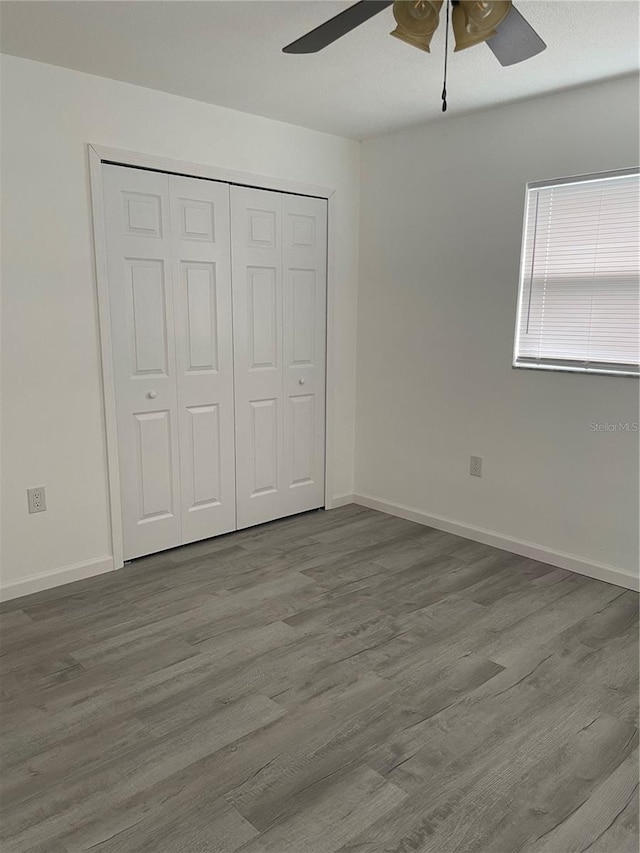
[{"x": 579, "y": 305}]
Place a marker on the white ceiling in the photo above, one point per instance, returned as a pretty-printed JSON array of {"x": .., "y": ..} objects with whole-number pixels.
[{"x": 365, "y": 84}]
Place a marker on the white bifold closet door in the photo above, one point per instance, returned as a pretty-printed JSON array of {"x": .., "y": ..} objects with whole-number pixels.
[
  {"x": 279, "y": 246},
  {"x": 168, "y": 257}
]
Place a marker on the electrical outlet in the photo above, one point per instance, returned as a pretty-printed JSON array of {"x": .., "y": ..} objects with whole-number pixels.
[
  {"x": 37, "y": 499},
  {"x": 475, "y": 466}
]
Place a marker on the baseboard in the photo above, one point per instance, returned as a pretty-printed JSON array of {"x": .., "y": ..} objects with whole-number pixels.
[
  {"x": 570, "y": 562},
  {"x": 562, "y": 560},
  {"x": 339, "y": 500},
  {"x": 58, "y": 577}
]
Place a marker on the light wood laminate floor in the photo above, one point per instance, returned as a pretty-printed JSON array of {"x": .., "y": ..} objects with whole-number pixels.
[{"x": 337, "y": 682}]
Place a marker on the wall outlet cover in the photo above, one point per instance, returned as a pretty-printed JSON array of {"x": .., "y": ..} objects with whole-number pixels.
[
  {"x": 37, "y": 499},
  {"x": 475, "y": 466}
]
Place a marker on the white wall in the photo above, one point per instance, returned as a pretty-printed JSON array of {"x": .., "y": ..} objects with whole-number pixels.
[
  {"x": 441, "y": 216},
  {"x": 53, "y": 430}
]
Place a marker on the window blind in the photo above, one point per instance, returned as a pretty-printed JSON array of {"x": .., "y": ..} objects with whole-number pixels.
[{"x": 579, "y": 299}]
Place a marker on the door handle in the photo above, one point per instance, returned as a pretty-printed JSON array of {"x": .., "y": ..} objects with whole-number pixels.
[
  {"x": 301, "y": 381},
  {"x": 152, "y": 395}
]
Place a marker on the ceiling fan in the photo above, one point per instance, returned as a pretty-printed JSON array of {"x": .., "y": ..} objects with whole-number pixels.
[{"x": 499, "y": 24}]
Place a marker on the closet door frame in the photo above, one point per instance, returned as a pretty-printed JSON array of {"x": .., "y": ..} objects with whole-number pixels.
[{"x": 99, "y": 154}]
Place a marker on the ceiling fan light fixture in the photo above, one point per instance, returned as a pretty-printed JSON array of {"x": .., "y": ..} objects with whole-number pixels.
[
  {"x": 423, "y": 42},
  {"x": 417, "y": 21},
  {"x": 474, "y": 22}
]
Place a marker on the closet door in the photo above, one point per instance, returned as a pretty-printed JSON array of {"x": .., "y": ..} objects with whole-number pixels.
[
  {"x": 256, "y": 253},
  {"x": 304, "y": 240},
  {"x": 201, "y": 267},
  {"x": 279, "y": 291},
  {"x": 137, "y": 218},
  {"x": 168, "y": 252}
]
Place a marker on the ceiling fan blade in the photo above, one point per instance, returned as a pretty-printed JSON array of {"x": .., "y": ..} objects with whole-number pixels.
[
  {"x": 515, "y": 40},
  {"x": 337, "y": 26}
]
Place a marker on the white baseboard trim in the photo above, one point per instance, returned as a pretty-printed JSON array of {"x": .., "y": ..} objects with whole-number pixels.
[
  {"x": 57, "y": 577},
  {"x": 562, "y": 560},
  {"x": 571, "y": 562},
  {"x": 339, "y": 500}
]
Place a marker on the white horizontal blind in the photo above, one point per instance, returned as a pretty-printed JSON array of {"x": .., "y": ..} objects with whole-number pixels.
[{"x": 579, "y": 305}]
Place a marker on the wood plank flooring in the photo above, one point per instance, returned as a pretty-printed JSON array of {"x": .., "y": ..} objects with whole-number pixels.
[{"x": 337, "y": 682}]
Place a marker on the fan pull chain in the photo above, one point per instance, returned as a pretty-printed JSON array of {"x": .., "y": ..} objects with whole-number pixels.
[{"x": 446, "y": 54}]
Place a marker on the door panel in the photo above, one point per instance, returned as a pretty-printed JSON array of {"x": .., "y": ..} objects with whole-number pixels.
[
  {"x": 262, "y": 317},
  {"x": 149, "y": 316},
  {"x": 304, "y": 340},
  {"x": 279, "y": 293},
  {"x": 263, "y": 453},
  {"x": 303, "y": 429},
  {"x": 142, "y": 322},
  {"x": 204, "y": 355},
  {"x": 303, "y": 316},
  {"x": 154, "y": 465},
  {"x": 200, "y": 294},
  {"x": 204, "y": 443},
  {"x": 256, "y": 253},
  {"x": 143, "y": 213}
]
